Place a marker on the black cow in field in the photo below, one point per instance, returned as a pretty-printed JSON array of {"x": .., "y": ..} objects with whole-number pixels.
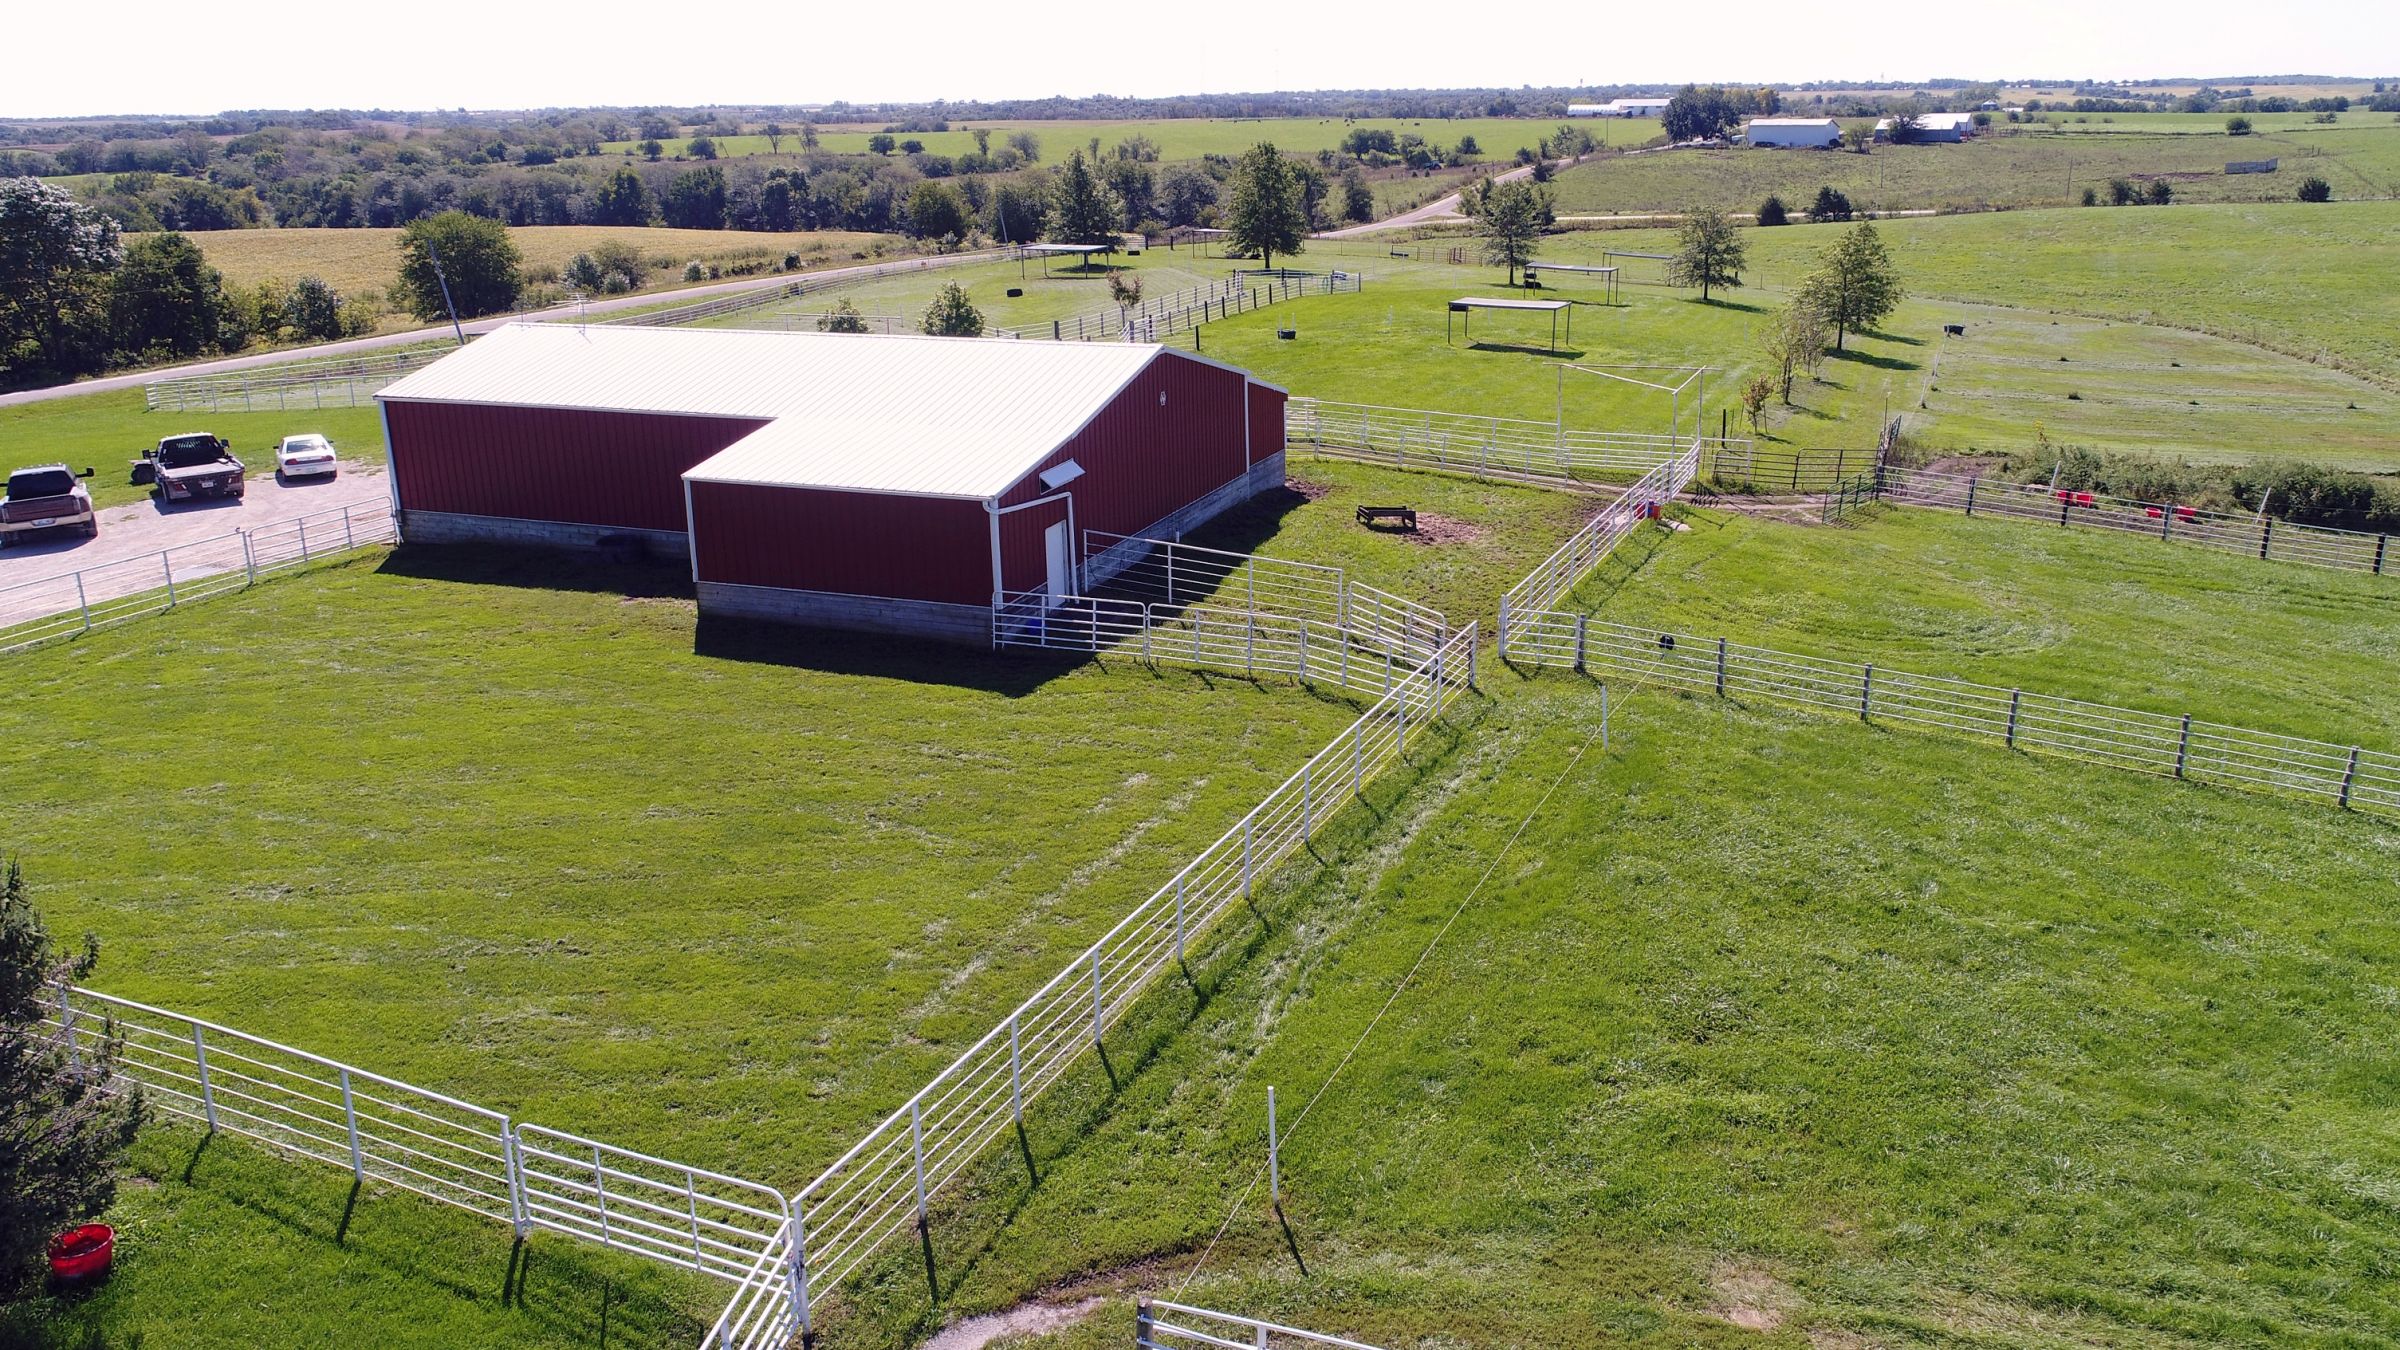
[{"x": 1954, "y": 330}]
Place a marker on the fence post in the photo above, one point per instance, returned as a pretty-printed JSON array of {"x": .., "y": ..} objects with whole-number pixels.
[
  {"x": 798, "y": 1274},
  {"x": 2266, "y": 532},
  {"x": 167, "y": 566},
  {"x": 1866, "y": 694},
  {"x": 1471, "y": 666},
  {"x": 1358, "y": 758},
  {"x": 1250, "y": 643},
  {"x": 302, "y": 522},
  {"x": 2349, "y": 777},
  {"x": 512, "y": 1161},
  {"x": 1604, "y": 718},
  {"x": 83, "y": 600},
  {"x": 1141, "y": 1324},
  {"x": 691, "y": 1202},
  {"x": 249, "y": 557},
  {"x": 2183, "y": 745},
  {"x": 2016, "y": 697},
  {"x": 1720, "y": 667},
  {"x": 2380, "y": 541},
  {"x": 1096, "y": 1016},
  {"x": 208, "y": 1093},
  {"x": 916, "y": 1148},
  {"x": 1504, "y": 628},
  {"x": 1582, "y": 639},
  {"x": 1016, "y": 1075},
  {"x": 1304, "y": 651},
  {"x": 358, "y": 1162},
  {"x": 1274, "y": 1159},
  {"x": 349, "y": 539},
  {"x": 1179, "y": 882},
  {"x": 1305, "y": 821}
]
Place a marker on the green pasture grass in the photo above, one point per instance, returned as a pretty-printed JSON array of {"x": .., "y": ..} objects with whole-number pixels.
[
  {"x": 2110, "y": 619},
  {"x": 1065, "y": 290},
  {"x": 1989, "y": 171},
  {"x": 2137, "y": 387},
  {"x": 1768, "y": 1029},
  {"x": 2181, "y": 124},
  {"x": 222, "y": 1243},
  {"x": 1195, "y": 137},
  {"x": 106, "y": 431}
]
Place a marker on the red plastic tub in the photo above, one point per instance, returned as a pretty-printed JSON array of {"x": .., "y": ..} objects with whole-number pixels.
[{"x": 83, "y": 1253}]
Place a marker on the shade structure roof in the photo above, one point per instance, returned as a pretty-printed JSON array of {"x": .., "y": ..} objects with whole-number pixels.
[
  {"x": 922, "y": 416},
  {"x": 1494, "y": 302}
]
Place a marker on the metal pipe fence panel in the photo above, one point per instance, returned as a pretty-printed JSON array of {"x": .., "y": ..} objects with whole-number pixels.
[
  {"x": 1161, "y": 1325},
  {"x": 73, "y": 603},
  {"x": 681, "y": 1215},
  {"x": 2180, "y": 746},
  {"x": 1533, "y": 633},
  {"x": 2261, "y": 537},
  {"x": 1168, "y": 573},
  {"x": 1476, "y": 444},
  {"x": 882, "y": 1185}
]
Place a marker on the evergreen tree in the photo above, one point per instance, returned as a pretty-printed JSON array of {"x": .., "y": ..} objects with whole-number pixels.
[
  {"x": 62, "y": 1127},
  {"x": 953, "y": 315},
  {"x": 1267, "y": 214},
  {"x": 1855, "y": 285},
  {"x": 1082, "y": 209}
]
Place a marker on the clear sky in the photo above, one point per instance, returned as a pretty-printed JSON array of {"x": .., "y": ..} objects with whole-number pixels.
[{"x": 151, "y": 56}]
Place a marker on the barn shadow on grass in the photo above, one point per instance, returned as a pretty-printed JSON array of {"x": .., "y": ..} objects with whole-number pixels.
[
  {"x": 1254, "y": 522},
  {"x": 542, "y": 569},
  {"x": 1013, "y": 673}
]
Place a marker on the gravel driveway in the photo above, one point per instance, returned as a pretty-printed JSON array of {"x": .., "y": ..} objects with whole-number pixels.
[{"x": 125, "y": 558}]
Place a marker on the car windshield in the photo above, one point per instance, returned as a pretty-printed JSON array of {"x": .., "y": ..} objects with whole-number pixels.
[
  {"x": 41, "y": 483},
  {"x": 186, "y": 451},
  {"x": 299, "y": 443}
]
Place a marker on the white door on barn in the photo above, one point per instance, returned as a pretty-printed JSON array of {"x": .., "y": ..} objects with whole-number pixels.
[{"x": 1058, "y": 546}]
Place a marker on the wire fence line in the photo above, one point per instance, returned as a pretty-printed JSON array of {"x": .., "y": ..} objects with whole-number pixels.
[
  {"x": 1533, "y": 633},
  {"x": 1172, "y": 573},
  {"x": 69, "y": 604},
  {"x": 884, "y": 1183},
  {"x": 1161, "y": 1325},
  {"x": 2261, "y": 536},
  {"x": 2348, "y": 776},
  {"x": 397, "y": 1134}
]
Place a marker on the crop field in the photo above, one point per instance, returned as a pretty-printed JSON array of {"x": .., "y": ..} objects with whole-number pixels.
[
  {"x": 1192, "y": 138},
  {"x": 1764, "y": 1022},
  {"x": 368, "y": 261},
  {"x": 2109, "y": 619},
  {"x": 2026, "y": 170}
]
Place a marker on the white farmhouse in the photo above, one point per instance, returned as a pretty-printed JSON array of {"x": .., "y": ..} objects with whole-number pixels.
[{"x": 1812, "y": 133}]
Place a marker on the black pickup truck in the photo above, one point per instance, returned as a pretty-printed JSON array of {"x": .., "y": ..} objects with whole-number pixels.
[{"x": 195, "y": 464}]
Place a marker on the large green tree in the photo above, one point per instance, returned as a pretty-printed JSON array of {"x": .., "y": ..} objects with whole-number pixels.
[
  {"x": 165, "y": 300},
  {"x": 63, "y": 1127},
  {"x": 621, "y": 200},
  {"x": 1855, "y": 285},
  {"x": 952, "y": 314},
  {"x": 1082, "y": 209},
  {"x": 55, "y": 258},
  {"x": 935, "y": 211},
  {"x": 695, "y": 200},
  {"x": 477, "y": 258},
  {"x": 1709, "y": 252},
  {"x": 1513, "y": 217},
  {"x": 1267, "y": 213}
]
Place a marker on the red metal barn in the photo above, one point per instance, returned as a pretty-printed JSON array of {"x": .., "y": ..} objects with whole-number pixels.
[{"x": 891, "y": 484}]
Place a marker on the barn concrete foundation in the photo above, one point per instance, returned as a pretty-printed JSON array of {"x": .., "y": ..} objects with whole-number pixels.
[
  {"x": 856, "y": 613},
  {"x": 441, "y": 527}
]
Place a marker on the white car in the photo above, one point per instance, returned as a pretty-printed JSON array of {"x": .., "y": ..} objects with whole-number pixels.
[{"x": 305, "y": 457}]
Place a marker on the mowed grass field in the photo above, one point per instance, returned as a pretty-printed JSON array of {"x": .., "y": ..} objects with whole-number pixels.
[
  {"x": 1191, "y": 137},
  {"x": 725, "y": 894},
  {"x": 1758, "y": 1028},
  {"x": 106, "y": 431},
  {"x": 1994, "y": 170},
  {"x": 2108, "y": 619}
]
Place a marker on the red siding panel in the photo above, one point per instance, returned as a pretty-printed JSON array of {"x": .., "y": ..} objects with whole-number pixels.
[
  {"x": 1266, "y": 421},
  {"x": 622, "y": 470},
  {"x": 849, "y": 543},
  {"x": 1142, "y": 459}
]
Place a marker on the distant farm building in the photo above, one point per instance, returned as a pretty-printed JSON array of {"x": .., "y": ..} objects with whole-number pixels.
[
  {"x": 2253, "y": 166},
  {"x": 885, "y": 484},
  {"x": 1933, "y": 128},
  {"x": 1814, "y": 133},
  {"x": 1620, "y": 107}
]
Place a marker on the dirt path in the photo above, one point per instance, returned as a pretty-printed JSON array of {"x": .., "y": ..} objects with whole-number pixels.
[{"x": 1026, "y": 1319}]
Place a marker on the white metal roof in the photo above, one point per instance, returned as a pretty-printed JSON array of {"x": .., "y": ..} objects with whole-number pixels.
[
  {"x": 1818, "y": 122},
  {"x": 925, "y": 416},
  {"x": 1491, "y": 302}
]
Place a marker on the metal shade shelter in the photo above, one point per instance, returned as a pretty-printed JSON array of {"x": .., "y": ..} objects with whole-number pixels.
[
  {"x": 1607, "y": 275},
  {"x": 1468, "y": 304}
]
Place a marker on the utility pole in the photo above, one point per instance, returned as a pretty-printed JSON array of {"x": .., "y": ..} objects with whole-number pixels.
[{"x": 436, "y": 254}]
